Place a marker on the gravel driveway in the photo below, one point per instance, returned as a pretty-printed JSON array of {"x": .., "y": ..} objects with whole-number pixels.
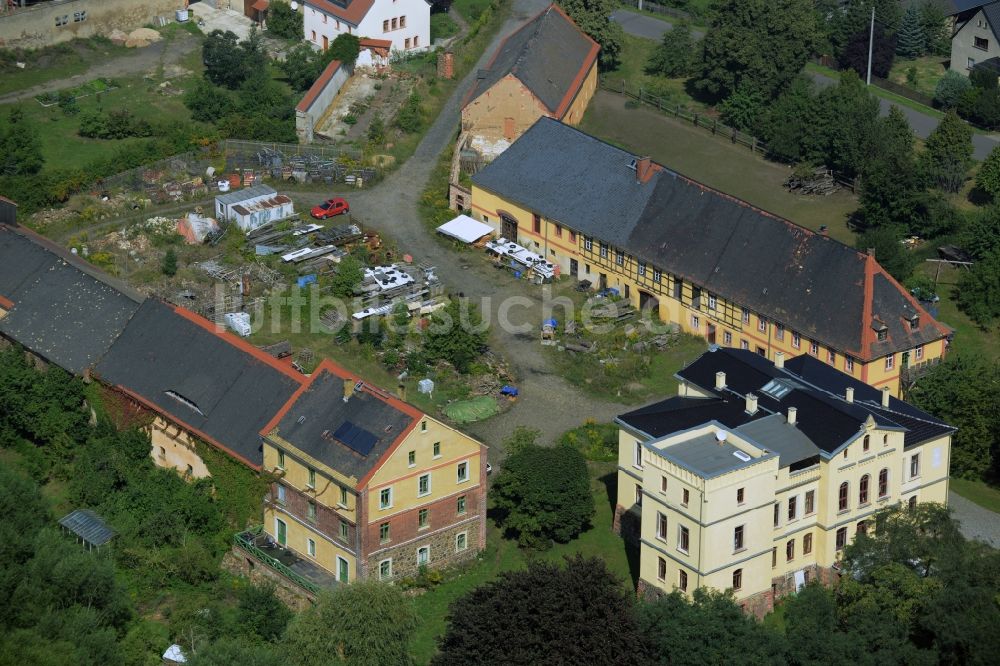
[{"x": 975, "y": 521}]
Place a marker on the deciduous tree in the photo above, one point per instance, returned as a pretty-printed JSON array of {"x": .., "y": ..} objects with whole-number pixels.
[
  {"x": 758, "y": 45},
  {"x": 283, "y": 21},
  {"x": 543, "y": 494},
  {"x": 578, "y": 613},
  {"x": 20, "y": 146},
  {"x": 592, "y": 16},
  {"x": 988, "y": 178},
  {"x": 675, "y": 55},
  {"x": 366, "y": 623},
  {"x": 456, "y": 334}
]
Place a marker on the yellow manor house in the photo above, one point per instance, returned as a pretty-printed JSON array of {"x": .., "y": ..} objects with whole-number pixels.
[
  {"x": 369, "y": 486},
  {"x": 757, "y": 474},
  {"x": 720, "y": 268}
]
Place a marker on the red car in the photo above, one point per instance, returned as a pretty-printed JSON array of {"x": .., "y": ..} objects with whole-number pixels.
[{"x": 330, "y": 208}]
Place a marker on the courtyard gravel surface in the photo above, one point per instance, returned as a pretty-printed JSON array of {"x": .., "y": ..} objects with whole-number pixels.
[{"x": 976, "y": 522}]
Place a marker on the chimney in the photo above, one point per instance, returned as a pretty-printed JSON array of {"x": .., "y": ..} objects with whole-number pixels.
[
  {"x": 885, "y": 396},
  {"x": 849, "y": 394},
  {"x": 871, "y": 252},
  {"x": 751, "y": 403},
  {"x": 779, "y": 359},
  {"x": 720, "y": 380},
  {"x": 643, "y": 169},
  {"x": 792, "y": 412}
]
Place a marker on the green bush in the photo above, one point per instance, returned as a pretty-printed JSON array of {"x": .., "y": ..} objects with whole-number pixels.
[
  {"x": 950, "y": 89},
  {"x": 596, "y": 441},
  {"x": 543, "y": 495},
  {"x": 283, "y": 21},
  {"x": 410, "y": 117}
]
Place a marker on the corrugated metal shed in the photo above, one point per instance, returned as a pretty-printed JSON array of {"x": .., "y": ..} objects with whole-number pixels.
[{"x": 246, "y": 193}]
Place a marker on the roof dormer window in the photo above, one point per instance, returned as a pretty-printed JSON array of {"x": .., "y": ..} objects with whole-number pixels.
[{"x": 914, "y": 321}]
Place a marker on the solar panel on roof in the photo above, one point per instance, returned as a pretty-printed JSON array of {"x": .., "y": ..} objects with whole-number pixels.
[{"x": 358, "y": 439}]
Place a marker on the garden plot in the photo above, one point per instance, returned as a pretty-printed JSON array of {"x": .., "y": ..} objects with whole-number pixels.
[{"x": 359, "y": 101}]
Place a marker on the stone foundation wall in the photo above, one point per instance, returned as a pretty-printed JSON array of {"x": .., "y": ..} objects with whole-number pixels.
[
  {"x": 240, "y": 563},
  {"x": 442, "y": 545}
]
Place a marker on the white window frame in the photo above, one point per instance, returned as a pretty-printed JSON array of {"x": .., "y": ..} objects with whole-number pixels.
[
  {"x": 796, "y": 340},
  {"x": 745, "y": 316},
  {"x": 890, "y": 361},
  {"x": 588, "y": 243},
  {"x": 680, "y": 531},
  {"x": 713, "y": 302},
  {"x": 727, "y": 338},
  {"x": 382, "y": 575},
  {"x": 458, "y": 472},
  {"x": 915, "y": 462},
  {"x": 641, "y": 268},
  {"x": 661, "y": 519},
  {"x": 918, "y": 352},
  {"x": 311, "y": 547},
  {"x": 437, "y": 450},
  {"x": 637, "y": 456},
  {"x": 657, "y": 275},
  {"x": 382, "y": 504},
  {"x": 464, "y": 535},
  {"x": 281, "y": 459},
  {"x": 603, "y": 250},
  {"x": 411, "y": 459},
  {"x": 761, "y": 324},
  {"x": 281, "y": 495},
  {"x": 420, "y": 480},
  {"x": 428, "y": 560},
  {"x": 695, "y": 322}
]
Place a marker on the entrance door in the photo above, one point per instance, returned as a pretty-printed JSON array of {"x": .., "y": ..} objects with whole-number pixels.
[
  {"x": 603, "y": 282},
  {"x": 508, "y": 227},
  {"x": 326, "y": 42},
  {"x": 627, "y": 295},
  {"x": 574, "y": 267},
  {"x": 711, "y": 334},
  {"x": 342, "y": 570},
  {"x": 281, "y": 531}
]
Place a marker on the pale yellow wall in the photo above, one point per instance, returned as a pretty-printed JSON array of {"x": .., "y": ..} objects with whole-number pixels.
[
  {"x": 712, "y": 512},
  {"x": 327, "y": 549},
  {"x": 726, "y": 316},
  {"x": 579, "y": 106},
  {"x": 172, "y": 448},
  {"x": 508, "y": 98},
  {"x": 396, "y": 473}
]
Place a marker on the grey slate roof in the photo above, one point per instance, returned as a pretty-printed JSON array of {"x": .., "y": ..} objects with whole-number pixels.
[
  {"x": 61, "y": 312},
  {"x": 546, "y": 55},
  {"x": 791, "y": 445},
  {"x": 570, "y": 177},
  {"x": 88, "y": 526},
  {"x": 320, "y": 411},
  {"x": 208, "y": 381},
  {"x": 806, "y": 281},
  {"x": 239, "y": 196}
]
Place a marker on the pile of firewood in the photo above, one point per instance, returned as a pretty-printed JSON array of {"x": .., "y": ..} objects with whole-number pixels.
[{"x": 812, "y": 181}]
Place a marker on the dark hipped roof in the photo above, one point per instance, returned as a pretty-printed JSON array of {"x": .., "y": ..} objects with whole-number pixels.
[
  {"x": 825, "y": 421},
  {"x": 350, "y": 436},
  {"x": 213, "y": 383},
  {"x": 549, "y": 55},
  {"x": 62, "y": 310},
  {"x": 806, "y": 281},
  {"x": 88, "y": 526}
]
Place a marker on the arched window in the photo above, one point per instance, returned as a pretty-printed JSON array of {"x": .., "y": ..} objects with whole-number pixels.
[
  {"x": 885, "y": 440},
  {"x": 867, "y": 443},
  {"x": 883, "y": 483},
  {"x": 863, "y": 527},
  {"x": 842, "y": 503},
  {"x": 912, "y": 502},
  {"x": 863, "y": 490}
]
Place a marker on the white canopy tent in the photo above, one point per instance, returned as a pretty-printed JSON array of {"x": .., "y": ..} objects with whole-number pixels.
[{"x": 465, "y": 229}]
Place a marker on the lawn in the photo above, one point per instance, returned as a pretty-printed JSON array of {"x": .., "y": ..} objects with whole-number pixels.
[
  {"x": 716, "y": 162},
  {"x": 470, "y": 9},
  {"x": 442, "y": 26},
  {"x": 636, "y": 52},
  {"x": 504, "y": 555},
  {"x": 54, "y": 62},
  {"x": 981, "y": 493},
  {"x": 63, "y": 148},
  {"x": 928, "y": 69},
  {"x": 969, "y": 337}
]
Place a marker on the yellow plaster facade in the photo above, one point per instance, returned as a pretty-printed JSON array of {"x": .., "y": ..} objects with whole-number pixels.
[
  {"x": 173, "y": 448},
  {"x": 696, "y": 311},
  {"x": 794, "y": 524}
]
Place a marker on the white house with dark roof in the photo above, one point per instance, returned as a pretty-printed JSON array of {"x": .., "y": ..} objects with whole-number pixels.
[{"x": 976, "y": 34}]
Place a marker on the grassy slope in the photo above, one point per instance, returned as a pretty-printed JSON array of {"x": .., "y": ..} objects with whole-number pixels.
[{"x": 716, "y": 162}]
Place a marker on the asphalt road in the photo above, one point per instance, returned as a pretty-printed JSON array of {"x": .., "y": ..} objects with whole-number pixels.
[{"x": 650, "y": 27}]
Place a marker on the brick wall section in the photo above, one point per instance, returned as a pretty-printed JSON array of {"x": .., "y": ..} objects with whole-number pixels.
[
  {"x": 403, "y": 526},
  {"x": 327, "y": 520},
  {"x": 441, "y": 543}
]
